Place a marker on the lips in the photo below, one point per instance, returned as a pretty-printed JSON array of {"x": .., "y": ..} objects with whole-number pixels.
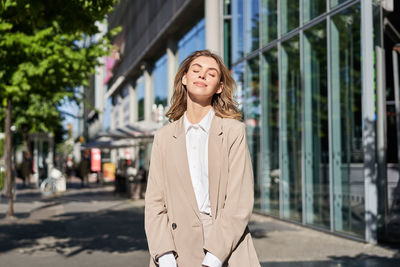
[{"x": 200, "y": 84}]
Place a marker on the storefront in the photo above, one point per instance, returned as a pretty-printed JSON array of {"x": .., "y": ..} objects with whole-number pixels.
[{"x": 307, "y": 87}]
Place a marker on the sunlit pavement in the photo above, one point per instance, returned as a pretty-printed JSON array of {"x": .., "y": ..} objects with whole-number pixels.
[{"x": 94, "y": 227}]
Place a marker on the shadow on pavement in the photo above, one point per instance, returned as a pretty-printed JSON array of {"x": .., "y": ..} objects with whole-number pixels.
[
  {"x": 356, "y": 261},
  {"x": 115, "y": 231},
  {"x": 260, "y": 230},
  {"x": 74, "y": 193}
]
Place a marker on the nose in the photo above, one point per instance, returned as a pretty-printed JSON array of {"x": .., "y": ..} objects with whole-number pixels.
[{"x": 202, "y": 75}]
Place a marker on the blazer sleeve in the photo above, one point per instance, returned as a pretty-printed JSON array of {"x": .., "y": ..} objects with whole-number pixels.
[
  {"x": 230, "y": 224},
  {"x": 159, "y": 236}
]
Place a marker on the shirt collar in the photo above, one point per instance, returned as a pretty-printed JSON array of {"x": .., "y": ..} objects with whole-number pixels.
[{"x": 204, "y": 124}]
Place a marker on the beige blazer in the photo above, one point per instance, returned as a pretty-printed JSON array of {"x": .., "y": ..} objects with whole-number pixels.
[{"x": 172, "y": 220}]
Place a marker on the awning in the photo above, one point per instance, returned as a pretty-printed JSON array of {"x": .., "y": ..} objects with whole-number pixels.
[
  {"x": 113, "y": 134},
  {"x": 125, "y": 136},
  {"x": 145, "y": 126},
  {"x": 97, "y": 144}
]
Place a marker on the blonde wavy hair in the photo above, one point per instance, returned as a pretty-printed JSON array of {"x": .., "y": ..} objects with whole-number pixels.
[{"x": 223, "y": 103}]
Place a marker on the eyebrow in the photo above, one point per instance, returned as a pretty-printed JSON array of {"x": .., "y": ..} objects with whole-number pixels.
[{"x": 202, "y": 66}]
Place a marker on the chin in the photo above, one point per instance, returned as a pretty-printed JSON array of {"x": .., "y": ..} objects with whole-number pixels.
[{"x": 200, "y": 98}]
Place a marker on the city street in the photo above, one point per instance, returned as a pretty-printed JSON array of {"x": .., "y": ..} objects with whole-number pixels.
[{"x": 94, "y": 227}]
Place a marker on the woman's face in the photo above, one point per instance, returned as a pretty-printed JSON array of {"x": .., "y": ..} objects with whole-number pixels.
[{"x": 202, "y": 79}]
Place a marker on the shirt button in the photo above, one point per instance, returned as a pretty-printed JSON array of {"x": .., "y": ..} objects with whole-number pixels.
[{"x": 174, "y": 226}]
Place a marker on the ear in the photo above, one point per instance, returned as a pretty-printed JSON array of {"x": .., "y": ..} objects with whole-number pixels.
[
  {"x": 184, "y": 79},
  {"x": 220, "y": 87}
]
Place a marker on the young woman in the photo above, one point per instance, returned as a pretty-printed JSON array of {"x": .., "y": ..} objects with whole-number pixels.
[{"x": 199, "y": 195}]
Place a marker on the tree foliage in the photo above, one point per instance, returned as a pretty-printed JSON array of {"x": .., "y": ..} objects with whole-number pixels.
[{"x": 46, "y": 50}]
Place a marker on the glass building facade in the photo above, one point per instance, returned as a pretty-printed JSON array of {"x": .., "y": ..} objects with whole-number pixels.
[
  {"x": 160, "y": 77},
  {"x": 299, "y": 69},
  {"x": 193, "y": 40}
]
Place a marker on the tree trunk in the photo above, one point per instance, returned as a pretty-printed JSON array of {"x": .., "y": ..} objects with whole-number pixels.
[{"x": 9, "y": 170}]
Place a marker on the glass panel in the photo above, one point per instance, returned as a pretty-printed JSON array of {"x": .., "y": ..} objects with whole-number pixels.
[
  {"x": 269, "y": 21},
  {"x": 107, "y": 115},
  {"x": 316, "y": 132},
  {"x": 270, "y": 132},
  {"x": 227, "y": 42},
  {"x": 391, "y": 153},
  {"x": 140, "y": 97},
  {"x": 227, "y": 7},
  {"x": 289, "y": 15},
  {"x": 337, "y": 2},
  {"x": 238, "y": 73},
  {"x": 252, "y": 25},
  {"x": 312, "y": 9},
  {"x": 347, "y": 149},
  {"x": 252, "y": 120},
  {"x": 192, "y": 41},
  {"x": 291, "y": 129},
  {"x": 160, "y": 82},
  {"x": 237, "y": 30}
]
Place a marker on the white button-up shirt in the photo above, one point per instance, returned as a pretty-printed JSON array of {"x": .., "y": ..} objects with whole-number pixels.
[{"x": 197, "y": 155}]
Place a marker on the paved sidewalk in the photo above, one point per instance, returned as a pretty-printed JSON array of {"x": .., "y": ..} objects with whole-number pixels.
[
  {"x": 281, "y": 244},
  {"x": 94, "y": 227}
]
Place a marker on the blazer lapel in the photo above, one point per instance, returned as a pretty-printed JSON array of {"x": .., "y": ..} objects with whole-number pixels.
[
  {"x": 182, "y": 165},
  {"x": 215, "y": 158}
]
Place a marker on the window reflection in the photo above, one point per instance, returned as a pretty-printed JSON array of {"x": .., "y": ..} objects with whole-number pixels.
[
  {"x": 140, "y": 97},
  {"x": 252, "y": 25},
  {"x": 237, "y": 30},
  {"x": 238, "y": 76},
  {"x": 337, "y": 2},
  {"x": 312, "y": 9},
  {"x": 252, "y": 116},
  {"x": 347, "y": 151},
  {"x": 316, "y": 136},
  {"x": 269, "y": 21},
  {"x": 291, "y": 110},
  {"x": 289, "y": 15},
  {"x": 160, "y": 82},
  {"x": 192, "y": 41},
  {"x": 270, "y": 131}
]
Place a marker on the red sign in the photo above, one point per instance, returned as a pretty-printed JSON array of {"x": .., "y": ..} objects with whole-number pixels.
[{"x": 96, "y": 160}]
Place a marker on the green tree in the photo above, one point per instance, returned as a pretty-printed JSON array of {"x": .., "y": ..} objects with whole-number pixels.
[{"x": 45, "y": 52}]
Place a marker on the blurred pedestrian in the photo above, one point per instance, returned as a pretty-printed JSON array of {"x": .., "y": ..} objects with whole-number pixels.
[
  {"x": 26, "y": 168},
  {"x": 84, "y": 168},
  {"x": 69, "y": 167},
  {"x": 200, "y": 193},
  {"x": 142, "y": 177}
]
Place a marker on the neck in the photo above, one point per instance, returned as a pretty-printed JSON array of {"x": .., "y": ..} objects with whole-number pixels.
[{"x": 195, "y": 112}]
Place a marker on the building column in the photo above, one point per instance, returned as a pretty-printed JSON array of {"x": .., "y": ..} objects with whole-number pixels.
[
  {"x": 112, "y": 119},
  {"x": 369, "y": 132},
  {"x": 172, "y": 65},
  {"x": 133, "y": 106},
  {"x": 213, "y": 18},
  {"x": 99, "y": 92},
  {"x": 148, "y": 93},
  {"x": 116, "y": 113}
]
